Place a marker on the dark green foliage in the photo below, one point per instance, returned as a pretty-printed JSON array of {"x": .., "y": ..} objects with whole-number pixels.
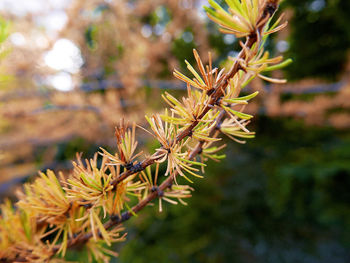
[
  {"x": 67, "y": 150},
  {"x": 90, "y": 35},
  {"x": 183, "y": 46},
  {"x": 282, "y": 198},
  {"x": 319, "y": 39}
]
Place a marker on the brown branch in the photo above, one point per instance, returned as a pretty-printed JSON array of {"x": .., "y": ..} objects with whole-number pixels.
[
  {"x": 269, "y": 9},
  {"x": 116, "y": 220},
  {"x": 214, "y": 97}
]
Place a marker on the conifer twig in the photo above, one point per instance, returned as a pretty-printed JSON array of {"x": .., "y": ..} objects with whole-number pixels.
[
  {"x": 269, "y": 10},
  {"x": 90, "y": 205}
]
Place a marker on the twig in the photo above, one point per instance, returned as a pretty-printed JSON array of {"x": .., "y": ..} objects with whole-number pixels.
[{"x": 215, "y": 96}]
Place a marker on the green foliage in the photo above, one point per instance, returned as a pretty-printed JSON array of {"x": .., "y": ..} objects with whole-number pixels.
[
  {"x": 283, "y": 198},
  {"x": 90, "y": 36},
  {"x": 4, "y": 30},
  {"x": 319, "y": 39},
  {"x": 4, "y": 33},
  {"x": 182, "y": 48}
]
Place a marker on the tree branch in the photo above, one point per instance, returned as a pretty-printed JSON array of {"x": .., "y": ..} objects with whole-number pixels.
[{"x": 217, "y": 93}]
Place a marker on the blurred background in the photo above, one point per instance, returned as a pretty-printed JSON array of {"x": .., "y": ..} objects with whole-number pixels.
[{"x": 70, "y": 69}]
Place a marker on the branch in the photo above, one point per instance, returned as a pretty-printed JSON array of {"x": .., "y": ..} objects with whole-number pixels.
[
  {"x": 47, "y": 192},
  {"x": 215, "y": 94},
  {"x": 116, "y": 220}
]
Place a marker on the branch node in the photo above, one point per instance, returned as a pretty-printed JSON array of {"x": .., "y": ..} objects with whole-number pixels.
[
  {"x": 200, "y": 150},
  {"x": 160, "y": 193},
  {"x": 133, "y": 168},
  {"x": 217, "y": 102},
  {"x": 128, "y": 166},
  {"x": 115, "y": 218},
  {"x": 190, "y": 133},
  {"x": 240, "y": 67},
  {"x": 136, "y": 168},
  {"x": 210, "y": 91},
  {"x": 270, "y": 9},
  {"x": 87, "y": 206},
  {"x": 125, "y": 216}
]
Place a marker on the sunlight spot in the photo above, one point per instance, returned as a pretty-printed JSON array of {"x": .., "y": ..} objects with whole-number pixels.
[
  {"x": 146, "y": 31},
  {"x": 166, "y": 37},
  {"x": 233, "y": 54},
  {"x": 282, "y": 46},
  {"x": 65, "y": 55},
  {"x": 21, "y": 9},
  {"x": 62, "y": 81},
  {"x": 187, "y": 36},
  {"x": 18, "y": 39},
  {"x": 53, "y": 21},
  {"x": 159, "y": 29},
  {"x": 41, "y": 41},
  {"x": 229, "y": 39},
  {"x": 317, "y": 5},
  {"x": 185, "y": 4}
]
